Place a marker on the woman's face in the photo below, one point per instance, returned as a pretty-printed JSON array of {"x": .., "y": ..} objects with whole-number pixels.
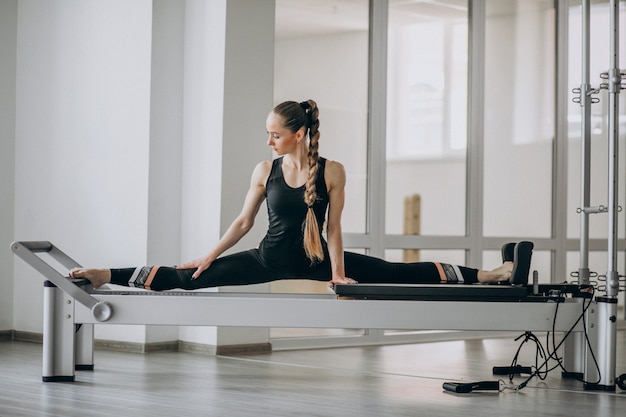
[{"x": 280, "y": 139}]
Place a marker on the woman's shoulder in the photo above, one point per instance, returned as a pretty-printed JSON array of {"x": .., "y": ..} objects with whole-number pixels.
[
  {"x": 265, "y": 165},
  {"x": 334, "y": 167},
  {"x": 262, "y": 171},
  {"x": 334, "y": 173}
]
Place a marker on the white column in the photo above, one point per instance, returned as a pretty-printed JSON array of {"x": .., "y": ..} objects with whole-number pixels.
[
  {"x": 166, "y": 137},
  {"x": 229, "y": 64},
  {"x": 248, "y": 98},
  {"x": 8, "y": 39},
  {"x": 203, "y": 95}
]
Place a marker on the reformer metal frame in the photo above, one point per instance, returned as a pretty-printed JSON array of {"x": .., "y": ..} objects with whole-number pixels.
[
  {"x": 604, "y": 330},
  {"x": 70, "y": 312}
]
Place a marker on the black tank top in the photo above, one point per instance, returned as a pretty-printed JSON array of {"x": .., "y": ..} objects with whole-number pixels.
[{"x": 282, "y": 247}]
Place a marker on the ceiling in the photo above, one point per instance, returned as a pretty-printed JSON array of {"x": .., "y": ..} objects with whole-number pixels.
[{"x": 297, "y": 18}]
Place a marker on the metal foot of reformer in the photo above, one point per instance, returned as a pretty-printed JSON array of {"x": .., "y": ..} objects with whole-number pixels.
[
  {"x": 601, "y": 355},
  {"x": 67, "y": 346}
]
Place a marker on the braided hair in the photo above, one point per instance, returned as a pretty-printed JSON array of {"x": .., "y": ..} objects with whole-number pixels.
[{"x": 296, "y": 116}]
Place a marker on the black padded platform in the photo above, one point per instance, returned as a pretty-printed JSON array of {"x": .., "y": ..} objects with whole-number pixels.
[
  {"x": 459, "y": 292},
  {"x": 433, "y": 292}
]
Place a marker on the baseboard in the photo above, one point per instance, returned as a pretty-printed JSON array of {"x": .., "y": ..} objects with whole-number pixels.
[
  {"x": 20, "y": 336},
  {"x": 6, "y": 335},
  {"x": 201, "y": 348},
  {"x": 243, "y": 349},
  {"x": 181, "y": 346},
  {"x": 135, "y": 347}
]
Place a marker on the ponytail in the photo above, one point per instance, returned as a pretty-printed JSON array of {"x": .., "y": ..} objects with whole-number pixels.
[{"x": 312, "y": 240}]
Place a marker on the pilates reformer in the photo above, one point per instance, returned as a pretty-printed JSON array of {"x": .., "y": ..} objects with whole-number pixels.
[{"x": 72, "y": 307}]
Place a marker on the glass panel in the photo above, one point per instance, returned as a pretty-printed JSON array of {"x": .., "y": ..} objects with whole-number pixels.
[
  {"x": 599, "y": 62},
  {"x": 519, "y": 117},
  {"x": 321, "y": 52},
  {"x": 426, "y": 114}
]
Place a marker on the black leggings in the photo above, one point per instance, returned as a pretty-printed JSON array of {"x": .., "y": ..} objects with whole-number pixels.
[{"x": 248, "y": 268}]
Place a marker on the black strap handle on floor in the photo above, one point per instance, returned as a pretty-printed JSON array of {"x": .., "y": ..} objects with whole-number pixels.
[{"x": 466, "y": 387}]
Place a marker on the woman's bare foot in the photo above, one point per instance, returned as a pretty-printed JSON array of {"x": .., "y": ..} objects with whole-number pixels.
[
  {"x": 501, "y": 273},
  {"x": 97, "y": 277}
]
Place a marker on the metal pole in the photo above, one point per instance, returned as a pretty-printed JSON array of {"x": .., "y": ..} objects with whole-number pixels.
[
  {"x": 585, "y": 104},
  {"x": 602, "y": 318},
  {"x": 614, "y": 85}
]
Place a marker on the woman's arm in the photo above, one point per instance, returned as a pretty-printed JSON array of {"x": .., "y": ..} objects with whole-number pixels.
[
  {"x": 335, "y": 177},
  {"x": 241, "y": 225}
]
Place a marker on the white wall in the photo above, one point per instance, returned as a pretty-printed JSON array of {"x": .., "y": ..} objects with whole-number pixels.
[
  {"x": 82, "y": 135},
  {"x": 8, "y": 37},
  {"x": 120, "y": 123}
]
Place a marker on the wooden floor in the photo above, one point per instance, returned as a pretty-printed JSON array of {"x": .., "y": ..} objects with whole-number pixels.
[{"x": 404, "y": 380}]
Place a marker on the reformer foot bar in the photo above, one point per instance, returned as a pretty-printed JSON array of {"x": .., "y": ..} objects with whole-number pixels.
[{"x": 72, "y": 307}]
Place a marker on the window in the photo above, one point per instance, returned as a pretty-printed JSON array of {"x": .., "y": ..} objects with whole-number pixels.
[
  {"x": 321, "y": 52},
  {"x": 519, "y": 118},
  {"x": 427, "y": 114}
]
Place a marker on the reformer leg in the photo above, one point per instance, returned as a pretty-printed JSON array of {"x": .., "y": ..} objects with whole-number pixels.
[
  {"x": 84, "y": 347},
  {"x": 84, "y": 334},
  {"x": 58, "y": 335},
  {"x": 574, "y": 353},
  {"x": 601, "y": 354},
  {"x": 574, "y": 356}
]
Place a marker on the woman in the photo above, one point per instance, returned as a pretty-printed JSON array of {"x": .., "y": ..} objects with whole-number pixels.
[{"x": 300, "y": 188}]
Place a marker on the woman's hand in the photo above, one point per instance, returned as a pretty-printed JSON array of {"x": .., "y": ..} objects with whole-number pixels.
[
  {"x": 201, "y": 265},
  {"x": 341, "y": 280}
]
